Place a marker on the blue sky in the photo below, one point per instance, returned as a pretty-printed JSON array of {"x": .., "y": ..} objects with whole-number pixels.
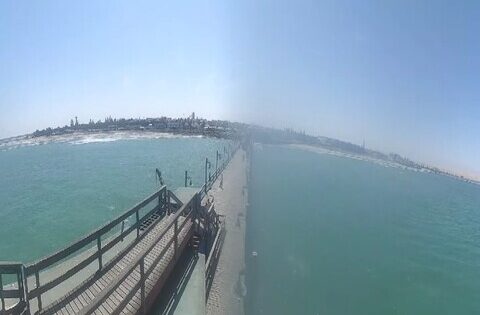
[{"x": 401, "y": 75}]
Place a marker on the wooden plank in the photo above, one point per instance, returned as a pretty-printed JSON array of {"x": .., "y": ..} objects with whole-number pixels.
[
  {"x": 84, "y": 299},
  {"x": 69, "y": 309},
  {"x": 107, "y": 306},
  {"x": 125, "y": 273},
  {"x": 90, "y": 294},
  {"x": 102, "y": 310},
  {"x": 123, "y": 290},
  {"x": 157, "y": 249},
  {"x": 74, "y": 306}
]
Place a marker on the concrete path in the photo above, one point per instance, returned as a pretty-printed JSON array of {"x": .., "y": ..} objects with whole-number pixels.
[{"x": 228, "y": 288}]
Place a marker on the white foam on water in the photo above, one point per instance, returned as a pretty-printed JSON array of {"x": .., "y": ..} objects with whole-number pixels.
[
  {"x": 80, "y": 138},
  {"x": 94, "y": 140}
]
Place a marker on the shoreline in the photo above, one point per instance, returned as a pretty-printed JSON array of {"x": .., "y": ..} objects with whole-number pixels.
[
  {"x": 380, "y": 162},
  {"x": 81, "y": 137},
  {"x": 228, "y": 289}
]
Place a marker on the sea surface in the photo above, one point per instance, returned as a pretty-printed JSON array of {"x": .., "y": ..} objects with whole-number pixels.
[
  {"x": 333, "y": 235},
  {"x": 54, "y": 193}
]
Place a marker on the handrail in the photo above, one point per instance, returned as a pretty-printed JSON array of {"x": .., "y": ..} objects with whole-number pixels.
[
  {"x": 47, "y": 261},
  {"x": 66, "y": 299},
  {"x": 212, "y": 259},
  {"x": 175, "y": 198},
  {"x": 18, "y": 308},
  {"x": 18, "y": 292},
  {"x": 99, "y": 299},
  {"x": 10, "y": 267},
  {"x": 208, "y": 185},
  {"x": 24, "y": 295}
]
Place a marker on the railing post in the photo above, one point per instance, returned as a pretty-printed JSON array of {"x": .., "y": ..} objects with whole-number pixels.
[
  {"x": 162, "y": 200},
  {"x": 99, "y": 248},
  {"x": 1, "y": 293},
  {"x": 25, "y": 289},
  {"x": 165, "y": 200},
  {"x": 198, "y": 201},
  {"x": 142, "y": 285},
  {"x": 160, "y": 197},
  {"x": 169, "y": 200},
  {"x": 20, "y": 283},
  {"x": 206, "y": 166},
  {"x": 138, "y": 224},
  {"x": 39, "y": 298},
  {"x": 175, "y": 238}
]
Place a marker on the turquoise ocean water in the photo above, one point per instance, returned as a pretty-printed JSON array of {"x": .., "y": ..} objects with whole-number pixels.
[
  {"x": 339, "y": 236},
  {"x": 53, "y": 194}
]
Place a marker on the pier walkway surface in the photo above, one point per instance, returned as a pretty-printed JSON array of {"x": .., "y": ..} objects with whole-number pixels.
[
  {"x": 228, "y": 287},
  {"x": 119, "y": 268}
]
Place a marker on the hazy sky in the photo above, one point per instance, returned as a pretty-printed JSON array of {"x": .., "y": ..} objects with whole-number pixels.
[{"x": 402, "y": 75}]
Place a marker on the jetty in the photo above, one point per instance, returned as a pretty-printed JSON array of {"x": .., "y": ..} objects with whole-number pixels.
[{"x": 124, "y": 266}]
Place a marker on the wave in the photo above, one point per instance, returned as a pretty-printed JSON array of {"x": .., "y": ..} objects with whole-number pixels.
[{"x": 86, "y": 138}]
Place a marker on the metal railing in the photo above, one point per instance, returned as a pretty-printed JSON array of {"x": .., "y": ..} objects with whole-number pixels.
[
  {"x": 213, "y": 177},
  {"x": 214, "y": 226},
  {"x": 17, "y": 292},
  {"x": 35, "y": 269},
  {"x": 23, "y": 296},
  {"x": 188, "y": 211}
]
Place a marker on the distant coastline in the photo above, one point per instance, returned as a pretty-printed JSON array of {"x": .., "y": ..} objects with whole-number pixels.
[
  {"x": 161, "y": 127},
  {"x": 184, "y": 126},
  {"x": 82, "y": 137},
  {"x": 383, "y": 162}
]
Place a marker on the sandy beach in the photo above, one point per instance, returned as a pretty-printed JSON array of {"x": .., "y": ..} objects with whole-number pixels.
[{"x": 228, "y": 288}]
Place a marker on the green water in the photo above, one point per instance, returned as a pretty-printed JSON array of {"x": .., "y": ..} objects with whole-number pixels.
[
  {"x": 53, "y": 194},
  {"x": 340, "y": 236}
]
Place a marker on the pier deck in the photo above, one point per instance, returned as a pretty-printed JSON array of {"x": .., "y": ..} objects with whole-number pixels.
[
  {"x": 126, "y": 281},
  {"x": 100, "y": 295},
  {"x": 122, "y": 274},
  {"x": 119, "y": 268}
]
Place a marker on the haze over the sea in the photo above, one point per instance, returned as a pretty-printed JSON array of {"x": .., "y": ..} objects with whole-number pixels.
[{"x": 400, "y": 75}]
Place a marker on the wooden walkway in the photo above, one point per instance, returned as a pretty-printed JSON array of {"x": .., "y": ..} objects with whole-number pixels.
[
  {"x": 116, "y": 269},
  {"x": 120, "y": 290},
  {"x": 121, "y": 276}
]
